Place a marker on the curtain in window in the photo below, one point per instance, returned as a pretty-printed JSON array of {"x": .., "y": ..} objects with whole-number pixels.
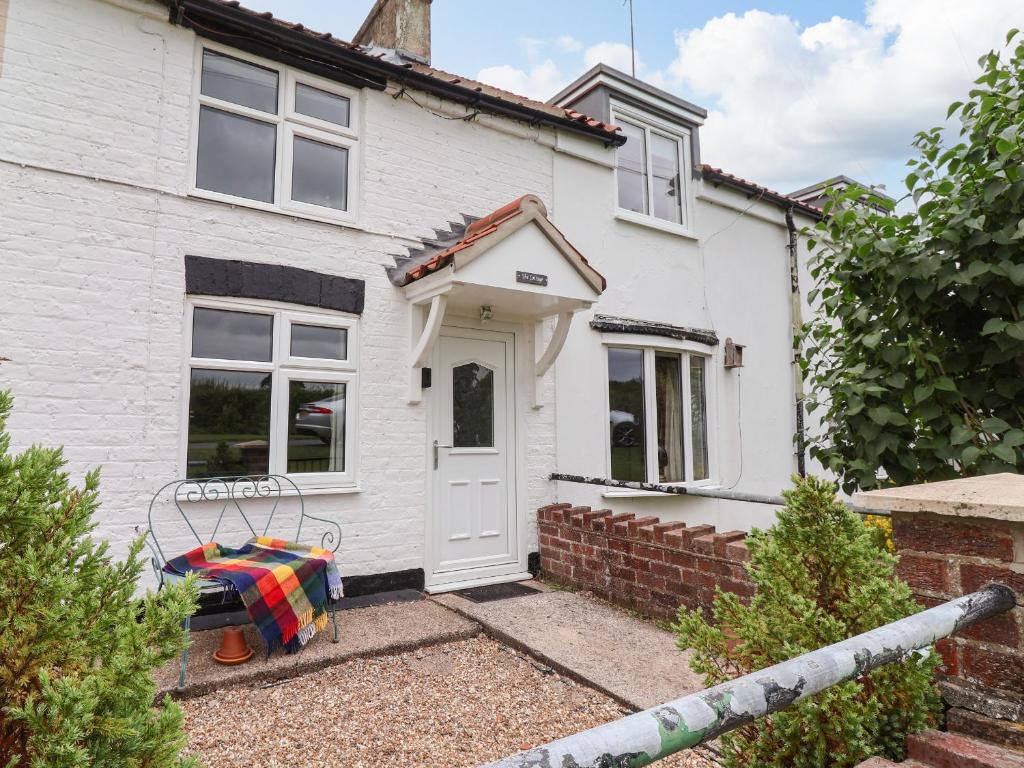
[
  {"x": 698, "y": 410},
  {"x": 669, "y": 395}
]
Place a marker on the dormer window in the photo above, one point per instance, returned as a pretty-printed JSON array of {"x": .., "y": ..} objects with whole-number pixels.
[{"x": 651, "y": 171}]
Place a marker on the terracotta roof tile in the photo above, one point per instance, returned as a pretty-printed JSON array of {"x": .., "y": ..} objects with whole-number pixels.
[
  {"x": 465, "y": 83},
  {"x": 724, "y": 177}
]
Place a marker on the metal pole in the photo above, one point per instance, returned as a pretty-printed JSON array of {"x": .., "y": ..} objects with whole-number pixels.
[
  {"x": 655, "y": 733},
  {"x": 711, "y": 493}
]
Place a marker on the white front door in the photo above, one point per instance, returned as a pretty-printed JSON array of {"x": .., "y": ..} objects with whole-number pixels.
[{"x": 473, "y": 530}]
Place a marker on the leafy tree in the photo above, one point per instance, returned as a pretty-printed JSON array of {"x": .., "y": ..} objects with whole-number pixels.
[
  {"x": 77, "y": 646},
  {"x": 917, "y": 352},
  {"x": 820, "y": 579}
]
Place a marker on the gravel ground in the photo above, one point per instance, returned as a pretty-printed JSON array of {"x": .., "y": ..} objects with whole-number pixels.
[{"x": 449, "y": 706}]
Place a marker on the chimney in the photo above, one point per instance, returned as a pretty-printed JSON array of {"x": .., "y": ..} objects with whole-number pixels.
[{"x": 402, "y": 25}]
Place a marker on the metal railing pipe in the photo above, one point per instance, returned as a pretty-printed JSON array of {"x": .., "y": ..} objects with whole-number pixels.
[
  {"x": 683, "y": 490},
  {"x": 644, "y": 737}
]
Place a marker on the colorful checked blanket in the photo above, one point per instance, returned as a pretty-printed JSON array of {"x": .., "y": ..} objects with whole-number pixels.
[{"x": 284, "y": 585}]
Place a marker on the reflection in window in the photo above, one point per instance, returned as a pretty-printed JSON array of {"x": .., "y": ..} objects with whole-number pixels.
[
  {"x": 632, "y": 168},
  {"x": 221, "y": 334},
  {"x": 239, "y": 82},
  {"x": 228, "y": 423},
  {"x": 321, "y": 104},
  {"x": 319, "y": 174},
  {"x": 236, "y": 155},
  {"x": 472, "y": 406},
  {"x": 626, "y": 413},
  {"x": 668, "y": 391},
  {"x": 319, "y": 341},
  {"x": 316, "y": 435},
  {"x": 698, "y": 411},
  {"x": 665, "y": 173}
]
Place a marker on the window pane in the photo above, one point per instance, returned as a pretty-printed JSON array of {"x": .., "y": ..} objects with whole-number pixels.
[
  {"x": 239, "y": 82},
  {"x": 667, "y": 182},
  {"x": 316, "y": 434},
  {"x": 319, "y": 341},
  {"x": 669, "y": 397},
  {"x": 472, "y": 406},
  {"x": 319, "y": 174},
  {"x": 698, "y": 411},
  {"x": 626, "y": 413},
  {"x": 236, "y": 155},
  {"x": 227, "y": 335},
  {"x": 321, "y": 105},
  {"x": 228, "y": 423},
  {"x": 632, "y": 171}
]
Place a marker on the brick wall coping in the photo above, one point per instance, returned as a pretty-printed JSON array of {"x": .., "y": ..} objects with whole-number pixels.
[{"x": 998, "y": 497}]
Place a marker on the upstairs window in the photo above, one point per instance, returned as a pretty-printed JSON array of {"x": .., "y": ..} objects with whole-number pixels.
[
  {"x": 650, "y": 171},
  {"x": 657, "y": 415},
  {"x": 273, "y": 138}
]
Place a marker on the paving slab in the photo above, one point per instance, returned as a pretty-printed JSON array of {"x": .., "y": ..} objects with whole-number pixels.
[
  {"x": 625, "y": 657},
  {"x": 372, "y": 631}
]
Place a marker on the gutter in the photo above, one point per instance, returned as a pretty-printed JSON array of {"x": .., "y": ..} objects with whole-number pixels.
[
  {"x": 796, "y": 325},
  {"x": 262, "y": 35}
]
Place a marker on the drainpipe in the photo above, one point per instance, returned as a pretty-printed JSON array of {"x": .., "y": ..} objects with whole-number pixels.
[{"x": 796, "y": 321}]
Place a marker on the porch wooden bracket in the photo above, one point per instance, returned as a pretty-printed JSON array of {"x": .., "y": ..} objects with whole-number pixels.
[
  {"x": 425, "y": 339},
  {"x": 547, "y": 359}
]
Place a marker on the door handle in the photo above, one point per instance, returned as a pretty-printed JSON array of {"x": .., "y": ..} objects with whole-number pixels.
[{"x": 436, "y": 447}]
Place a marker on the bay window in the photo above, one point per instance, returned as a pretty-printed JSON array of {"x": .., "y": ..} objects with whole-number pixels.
[
  {"x": 657, "y": 415},
  {"x": 271, "y": 389},
  {"x": 273, "y": 138}
]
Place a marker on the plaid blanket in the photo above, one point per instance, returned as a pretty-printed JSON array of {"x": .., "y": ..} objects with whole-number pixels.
[{"x": 285, "y": 586}]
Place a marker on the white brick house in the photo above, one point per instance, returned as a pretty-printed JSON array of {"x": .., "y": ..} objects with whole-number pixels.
[{"x": 200, "y": 213}]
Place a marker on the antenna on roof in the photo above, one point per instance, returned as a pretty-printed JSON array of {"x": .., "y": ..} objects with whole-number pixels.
[{"x": 632, "y": 44}]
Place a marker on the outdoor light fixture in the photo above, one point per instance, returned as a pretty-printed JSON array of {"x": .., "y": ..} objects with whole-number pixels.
[{"x": 485, "y": 313}]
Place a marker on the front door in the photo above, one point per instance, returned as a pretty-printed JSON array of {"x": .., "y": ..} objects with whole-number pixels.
[{"x": 473, "y": 523}]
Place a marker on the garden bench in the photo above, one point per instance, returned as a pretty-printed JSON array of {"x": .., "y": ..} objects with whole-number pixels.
[{"x": 211, "y": 504}]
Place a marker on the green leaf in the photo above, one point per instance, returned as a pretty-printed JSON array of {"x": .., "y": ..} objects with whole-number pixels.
[
  {"x": 1005, "y": 452},
  {"x": 923, "y": 392},
  {"x": 961, "y": 434},
  {"x": 995, "y": 425},
  {"x": 1013, "y": 438},
  {"x": 945, "y": 384},
  {"x": 970, "y": 454},
  {"x": 993, "y": 325}
]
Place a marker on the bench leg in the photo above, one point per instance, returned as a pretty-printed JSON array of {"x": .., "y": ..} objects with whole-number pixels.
[
  {"x": 334, "y": 621},
  {"x": 184, "y": 654}
]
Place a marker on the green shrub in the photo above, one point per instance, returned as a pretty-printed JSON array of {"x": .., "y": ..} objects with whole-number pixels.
[
  {"x": 77, "y": 646},
  {"x": 820, "y": 578}
]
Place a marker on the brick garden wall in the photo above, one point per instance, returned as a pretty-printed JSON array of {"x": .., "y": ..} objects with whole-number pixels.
[{"x": 641, "y": 562}]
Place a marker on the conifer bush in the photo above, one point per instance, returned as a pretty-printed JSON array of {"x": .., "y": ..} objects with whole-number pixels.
[
  {"x": 76, "y": 645},
  {"x": 820, "y": 578}
]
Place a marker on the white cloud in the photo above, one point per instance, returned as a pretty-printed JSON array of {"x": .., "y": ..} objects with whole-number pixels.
[
  {"x": 568, "y": 44},
  {"x": 617, "y": 55},
  {"x": 541, "y": 81},
  {"x": 793, "y": 105}
]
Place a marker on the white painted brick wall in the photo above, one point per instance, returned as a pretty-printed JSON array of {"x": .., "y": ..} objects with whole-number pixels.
[{"x": 92, "y": 270}]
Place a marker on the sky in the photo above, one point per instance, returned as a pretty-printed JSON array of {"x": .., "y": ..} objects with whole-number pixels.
[{"x": 797, "y": 91}]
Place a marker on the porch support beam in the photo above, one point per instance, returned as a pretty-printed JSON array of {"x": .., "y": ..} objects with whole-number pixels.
[
  {"x": 424, "y": 343},
  {"x": 555, "y": 344}
]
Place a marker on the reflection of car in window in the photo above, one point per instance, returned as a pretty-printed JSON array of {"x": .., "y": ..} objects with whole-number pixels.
[
  {"x": 625, "y": 430},
  {"x": 320, "y": 418}
]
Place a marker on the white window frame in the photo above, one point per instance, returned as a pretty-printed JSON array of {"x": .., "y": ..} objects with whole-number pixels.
[
  {"x": 283, "y": 367},
  {"x": 650, "y": 347},
  {"x": 652, "y": 125},
  {"x": 288, "y": 124}
]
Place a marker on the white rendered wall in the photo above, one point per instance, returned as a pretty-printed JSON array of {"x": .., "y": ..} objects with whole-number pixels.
[{"x": 95, "y": 121}]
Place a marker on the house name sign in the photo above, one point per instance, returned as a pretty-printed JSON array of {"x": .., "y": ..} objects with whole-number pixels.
[{"x": 531, "y": 278}]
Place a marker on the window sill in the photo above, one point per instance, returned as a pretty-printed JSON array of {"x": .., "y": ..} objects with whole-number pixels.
[
  {"x": 627, "y": 493},
  {"x": 256, "y": 205},
  {"x": 650, "y": 221},
  {"x": 325, "y": 490}
]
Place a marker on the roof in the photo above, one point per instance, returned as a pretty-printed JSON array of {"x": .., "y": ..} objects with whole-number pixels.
[
  {"x": 291, "y": 42},
  {"x": 818, "y": 190},
  {"x": 718, "y": 176},
  {"x": 614, "y": 78},
  {"x": 437, "y": 253}
]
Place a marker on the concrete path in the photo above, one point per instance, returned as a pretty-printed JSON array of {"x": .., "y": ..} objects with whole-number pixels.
[
  {"x": 627, "y": 658},
  {"x": 373, "y": 631}
]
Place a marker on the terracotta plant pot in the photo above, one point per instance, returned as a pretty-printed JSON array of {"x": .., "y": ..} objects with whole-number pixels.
[{"x": 233, "y": 648}]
